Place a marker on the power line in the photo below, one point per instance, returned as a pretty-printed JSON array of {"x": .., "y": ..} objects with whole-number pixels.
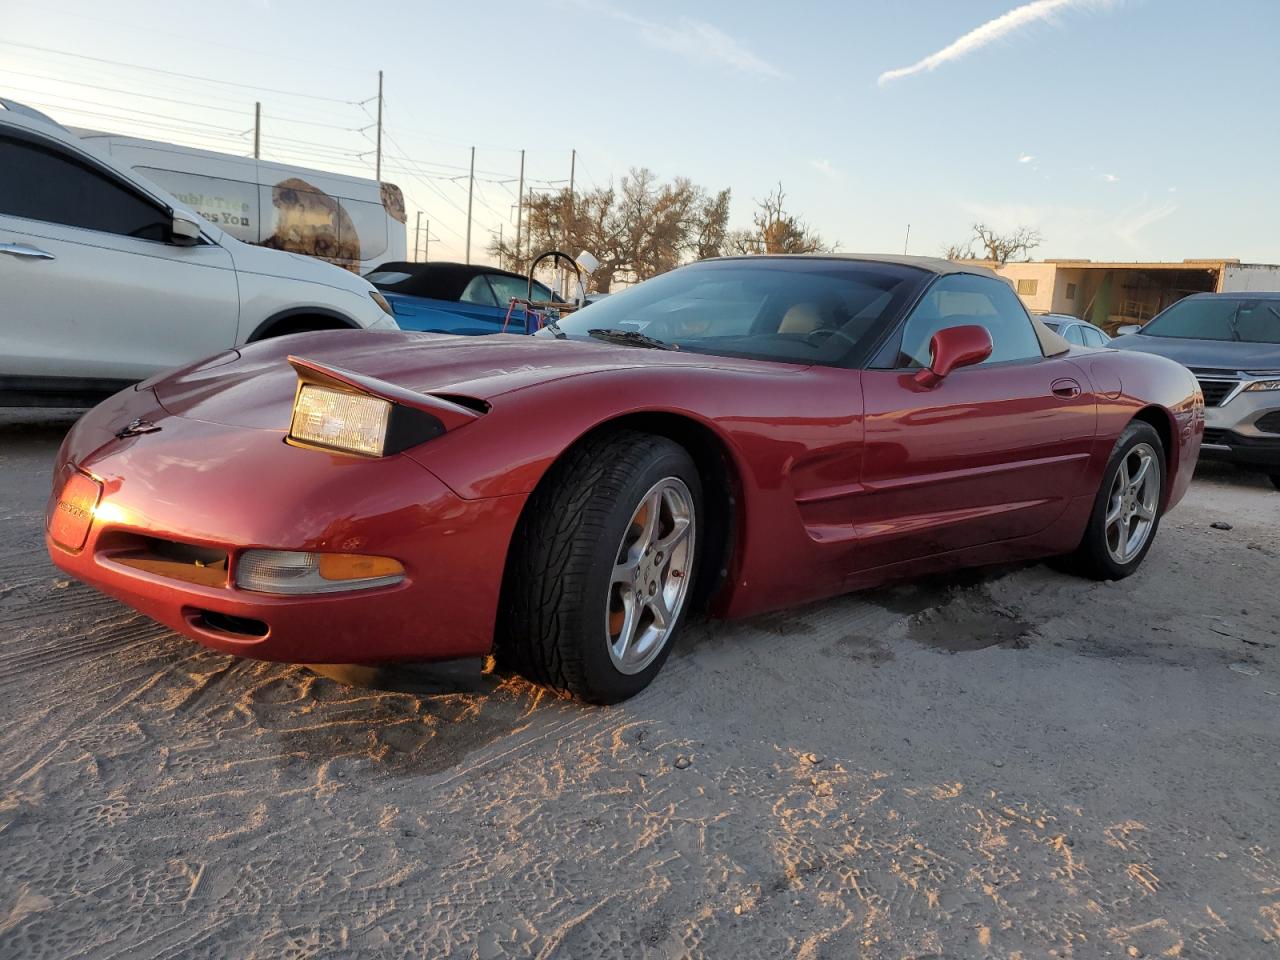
[
  {"x": 112, "y": 106},
  {"x": 172, "y": 73},
  {"x": 229, "y": 135},
  {"x": 238, "y": 111}
]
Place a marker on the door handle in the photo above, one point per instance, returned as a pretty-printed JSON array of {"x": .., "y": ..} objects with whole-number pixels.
[
  {"x": 26, "y": 250},
  {"x": 1066, "y": 388}
]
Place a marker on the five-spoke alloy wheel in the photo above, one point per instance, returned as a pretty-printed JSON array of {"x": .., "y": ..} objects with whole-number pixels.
[
  {"x": 651, "y": 575},
  {"x": 1133, "y": 502}
]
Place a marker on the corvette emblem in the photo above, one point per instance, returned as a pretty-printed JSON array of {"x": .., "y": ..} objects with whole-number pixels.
[{"x": 136, "y": 429}]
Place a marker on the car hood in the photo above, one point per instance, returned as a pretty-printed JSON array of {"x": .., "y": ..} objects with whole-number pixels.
[
  {"x": 254, "y": 385},
  {"x": 1225, "y": 355}
]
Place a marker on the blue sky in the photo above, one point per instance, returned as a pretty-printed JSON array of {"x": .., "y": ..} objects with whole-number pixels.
[{"x": 1125, "y": 129}]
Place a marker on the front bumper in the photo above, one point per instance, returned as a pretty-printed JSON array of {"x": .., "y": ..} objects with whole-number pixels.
[
  {"x": 1248, "y": 450},
  {"x": 230, "y": 489},
  {"x": 1245, "y": 430}
]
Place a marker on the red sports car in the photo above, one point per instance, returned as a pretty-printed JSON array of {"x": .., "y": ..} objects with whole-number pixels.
[{"x": 739, "y": 435}]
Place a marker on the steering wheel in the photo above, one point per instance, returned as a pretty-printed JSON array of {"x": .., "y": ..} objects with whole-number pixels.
[{"x": 814, "y": 337}]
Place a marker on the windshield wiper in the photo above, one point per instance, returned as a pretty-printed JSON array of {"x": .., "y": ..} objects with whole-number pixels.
[
  {"x": 1233, "y": 323},
  {"x": 631, "y": 338}
]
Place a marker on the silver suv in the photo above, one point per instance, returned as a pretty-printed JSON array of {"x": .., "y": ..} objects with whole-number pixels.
[
  {"x": 1231, "y": 342},
  {"x": 105, "y": 279}
]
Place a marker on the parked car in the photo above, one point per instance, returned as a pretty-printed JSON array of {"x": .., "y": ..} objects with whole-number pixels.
[
  {"x": 742, "y": 434},
  {"x": 108, "y": 280},
  {"x": 1231, "y": 342},
  {"x": 1073, "y": 330},
  {"x": 454, "y": 297}
]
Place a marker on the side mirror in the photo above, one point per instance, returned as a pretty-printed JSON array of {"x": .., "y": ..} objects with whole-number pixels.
[
  {"x": 185, "y": 230},
  {"x": 1128, "y": 328},
  {"x": 952, "y": 348}
]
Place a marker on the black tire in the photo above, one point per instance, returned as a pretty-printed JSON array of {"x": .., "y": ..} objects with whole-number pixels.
[
  {"x": 1093, "y": 558},
  {"x": 1275, "y": 480},
  {"x": 557, "y": 587}
]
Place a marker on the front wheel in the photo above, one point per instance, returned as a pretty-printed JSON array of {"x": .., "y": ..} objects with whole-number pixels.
[
  {"x": 1126, "y": 512},
  {"x": 602, "y": 566}
]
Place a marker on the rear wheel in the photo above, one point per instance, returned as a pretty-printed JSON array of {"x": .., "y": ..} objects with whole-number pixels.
[
  {"x": 1126, "y": 512},
  {"x": 602, "y": 566}
]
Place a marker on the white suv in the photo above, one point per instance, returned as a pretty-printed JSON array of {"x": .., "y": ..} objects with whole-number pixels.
[{"x": 105, "y": 279}]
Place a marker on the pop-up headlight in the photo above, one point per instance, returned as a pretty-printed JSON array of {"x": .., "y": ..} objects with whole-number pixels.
[{"x": 353, "y": 422}]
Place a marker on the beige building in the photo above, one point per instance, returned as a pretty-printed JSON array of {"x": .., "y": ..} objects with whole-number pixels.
[{"x": 1111, "y": 294}]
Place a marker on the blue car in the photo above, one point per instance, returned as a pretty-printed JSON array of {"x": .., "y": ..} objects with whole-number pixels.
[{"x": 456, "y": 297}]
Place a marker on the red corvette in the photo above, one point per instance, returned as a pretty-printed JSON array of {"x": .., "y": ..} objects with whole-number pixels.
[{"x": 740, "y": 435}]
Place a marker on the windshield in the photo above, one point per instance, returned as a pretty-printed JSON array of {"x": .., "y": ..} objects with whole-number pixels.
[
  {"x": 1219, "y": 318},
  {"x": 796, "y": 311}
]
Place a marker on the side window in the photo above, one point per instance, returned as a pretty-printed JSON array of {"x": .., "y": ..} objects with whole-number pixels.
[
  {"x": 478, "y": 291},
  {"x": 1094, "y": 338},
  {"x": 1074, "y": 334},
  {"x": 959, "y": 299},
  {"x": 504, "y": 288},
  {"x": 41, "y": 183}
]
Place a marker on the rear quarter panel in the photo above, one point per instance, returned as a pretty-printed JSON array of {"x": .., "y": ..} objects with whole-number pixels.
[{"x": 1128, "y": 382}]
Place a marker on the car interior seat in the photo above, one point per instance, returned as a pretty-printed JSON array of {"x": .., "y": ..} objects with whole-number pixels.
[{"x": 801, "y": 318}]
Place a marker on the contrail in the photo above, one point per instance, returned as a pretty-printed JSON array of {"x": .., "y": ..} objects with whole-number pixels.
[{"x": 989, "y": 32}]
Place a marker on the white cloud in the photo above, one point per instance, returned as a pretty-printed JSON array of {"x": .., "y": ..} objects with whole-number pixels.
[
  {"x": 1134, "y": 220},
  {"x": 1025, "y": 157},
  {"x": 825, "y": 168},
  {"x": 1002, "y": 26},
  {"x": 693, "y": 39},
  {"x": 1110, "y": 177}
]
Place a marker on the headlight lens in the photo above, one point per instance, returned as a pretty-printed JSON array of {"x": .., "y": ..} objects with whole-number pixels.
[
  {"x": 381, "y": 301},
  {"x": 290, "y": 572},
  {"x": 1264, "y": 385},
  {"x": 352, "y": 422}
]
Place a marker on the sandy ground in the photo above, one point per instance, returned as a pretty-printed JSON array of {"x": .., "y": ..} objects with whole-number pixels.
[{"x": 1003, "y": 764}]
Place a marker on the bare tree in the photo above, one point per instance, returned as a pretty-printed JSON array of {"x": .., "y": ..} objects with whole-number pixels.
[
  {"x": 774, "y": 230},
  {"x": 997, "y": 247},
  {"x": 644, "y": 227},
  {"x": 637, "y": 230}
]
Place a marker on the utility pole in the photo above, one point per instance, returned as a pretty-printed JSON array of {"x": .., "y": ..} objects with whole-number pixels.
[
  {"x": 377, "y": 164},
  {"x": 426, "y": 244},
  {"x": 906, "y": 241},
  {"x": 573, "y": 163},
  {"x": 417, "y": 235},
  {"x": 519, "y": 208},
  {"x": 257, "y": 130},
  {"x": 471, "y": 189}
]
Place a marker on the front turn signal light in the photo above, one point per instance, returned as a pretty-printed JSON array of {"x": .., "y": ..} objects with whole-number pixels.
[
  {"x": 294, "y": 573},
  {"x": 73, "y": 511}
]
